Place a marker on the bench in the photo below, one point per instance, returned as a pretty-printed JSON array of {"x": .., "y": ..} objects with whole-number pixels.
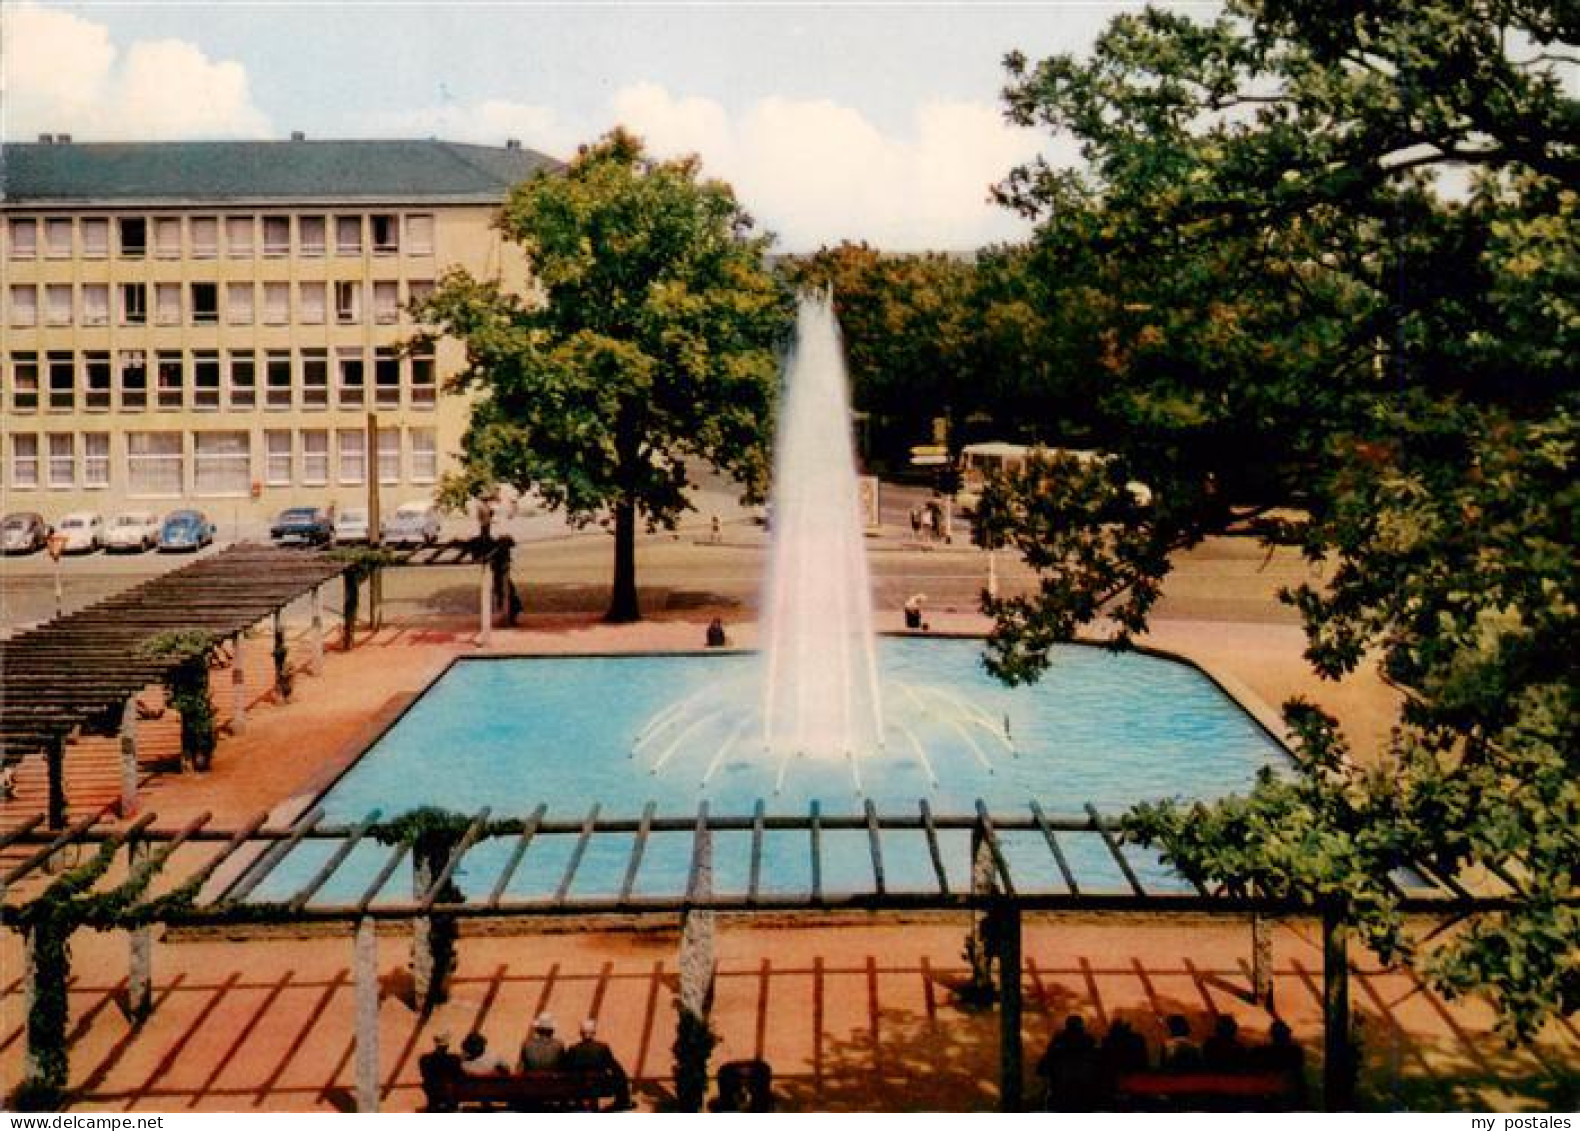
[
  {"x": 1209, "y": 1091},
  {"x": 526, "y": 1091}
]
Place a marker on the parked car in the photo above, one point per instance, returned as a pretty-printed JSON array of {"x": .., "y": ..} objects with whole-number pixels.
[
  {"x": 413, "y": 524},
  {"x": 351, "y": 526},
  {"x": 83, "y": 532},
  {"x": 23, "y": 533},
  {"x": 185, "y": 530},
  {"x": 132, "y": 530},
  {"x": 302, "y": 526}
]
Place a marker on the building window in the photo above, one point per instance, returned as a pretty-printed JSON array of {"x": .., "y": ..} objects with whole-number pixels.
[
  {"x": 57, "y": 304},
  {"x": 95, "y": 459},
  {"x": 221, "y": 463},
  {"x": 386, "y": 302},
  {"x": 277, "y": 380},
  {"x": 153, "y": 464},
  {"x": 167, "y": 237},
  {"x": 134, "y": 380},
  {"x": 243, "y": 380},
  {"x": 386, "y": 234},
  {"x": 276, "y": 235},
  {"x": 277, "y": 457},
  {"x": 386, "y": 379},
  {"x": 23, "y": 239},
  {"x": 205, "y": 380},
  {"x": 134, "y": 304},
  {"x": 24, "y": 304},
  {"x": 62, "y": 459},
  {"x": 205, "y": 237},
  {"x": 167, "y": 304},
  {"x": 315, "y": 379},
  {"x": 352, "y": 379},
  {"x": 315, "y": 457},
  {"x": 24, "y": 382},
  {"x": 62, "y": 382},
  {"x": 169, "y": 380},
  {"x": 133, "y": 236},
  {"x": 353, "y": 444},
  {"x": 95, "y": 304},
  {"x": 423, "y": 389},
  {"x": 310, "y": 235},
  {"x": 424, "y": 454},
  {"x": 238, "y": 304},
  {"x": 419, "y": 234},
  {"x": 24, "y": 460},
  {"x": 389, "y": 455},
  {"x": 310, "y": 299},
  {"x": 239, "y": 236},
  {"x": 57, "y": 238},
  {"x": 96, "y": 381},
  {"x": 417, "y": 292},
  {"x": 348, "y": 235},
  {"x": 95, "y": 238},
  {"x": 276, "y": 304},
  {"x": 205, "y": 303},
  {"x": 348, "y": 301}
]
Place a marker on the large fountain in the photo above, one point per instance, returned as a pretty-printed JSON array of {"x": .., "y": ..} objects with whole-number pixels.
[{"x": 817, "y": 694}]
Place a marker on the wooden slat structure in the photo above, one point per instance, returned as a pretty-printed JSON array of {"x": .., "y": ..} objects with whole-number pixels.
[
  {"x": 76, "y": 672},
  {"x": 1036, "y": 860}
]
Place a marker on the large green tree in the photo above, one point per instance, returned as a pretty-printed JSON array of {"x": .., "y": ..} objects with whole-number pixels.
[
  {"x": 1336, "y": 245},
  {"x": 643, "y": 338}
]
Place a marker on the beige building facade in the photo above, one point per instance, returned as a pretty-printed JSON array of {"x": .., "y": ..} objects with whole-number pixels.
[{"x": 210, "y": 325}]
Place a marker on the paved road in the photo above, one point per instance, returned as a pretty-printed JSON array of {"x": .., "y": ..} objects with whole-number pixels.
[{"x": 561, "y": 569}]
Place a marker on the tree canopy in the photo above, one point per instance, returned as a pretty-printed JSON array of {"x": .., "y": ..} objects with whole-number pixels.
[
  {"x": 1327, "y": 254},
  {"x": 644, "y": 338}
]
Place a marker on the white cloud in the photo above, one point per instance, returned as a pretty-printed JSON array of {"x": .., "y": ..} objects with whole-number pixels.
[
  {"x": 64, "y": 75},
  {"x": 818, "y": 172}
]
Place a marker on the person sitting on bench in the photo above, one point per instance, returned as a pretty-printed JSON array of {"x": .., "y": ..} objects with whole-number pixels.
[
  {"x": 543, "y": 1050},
  {"x": 591, "y": 1055},
  {"x": 479, "y": 1061}
]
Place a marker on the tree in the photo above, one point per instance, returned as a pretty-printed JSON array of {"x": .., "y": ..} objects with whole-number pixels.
[
  {"x": 644, "y": 338},
  {"x": 1283, "y": 271}
]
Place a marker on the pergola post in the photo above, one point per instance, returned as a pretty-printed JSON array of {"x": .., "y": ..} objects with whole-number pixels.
[
  {"x": 1262, "y": 960},
  {"x": 698, "y": 964},
  {"x": 365, "y": 963},
  {"x": 1006, "y": 934},
  {"x": 423, "y": 873},
  {"x": 317, "y": 654},
  {"x": 485, "y": 604},
  {"x": 1338, "y": 1060},
  {"x": 348, "y": 609},
  {"x": 238, "y": 688},
  {"x": 282, "y": 679},
  {"x": 984, "y": 883},
  {"x": 129, "y": 757},
  {"x": 44, "y": 1000},
  {"x": 55, "y": 757},
  {"x": 139, "y": 950}
]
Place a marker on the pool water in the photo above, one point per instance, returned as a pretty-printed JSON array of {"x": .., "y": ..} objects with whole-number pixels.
[{"x": 509, "y": 734}]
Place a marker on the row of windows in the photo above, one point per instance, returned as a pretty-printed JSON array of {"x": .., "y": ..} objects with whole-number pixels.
[
  {"x": 156, "y": 465},
  {"x": 209, "y": 380},
  {"x": 199, "y": 237},
  {"x": 349, "y": 300}
]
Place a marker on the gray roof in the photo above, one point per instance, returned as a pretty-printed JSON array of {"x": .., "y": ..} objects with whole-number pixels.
[{"x": 119, "y": 173}]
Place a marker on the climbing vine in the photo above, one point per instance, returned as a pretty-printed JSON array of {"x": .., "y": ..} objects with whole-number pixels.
[
  {"x": 432, "y": 835},
  {"x": 362, "y": 562},
  {"x": 187, "y": 689},
  {"x": 695, "y": 1041}
]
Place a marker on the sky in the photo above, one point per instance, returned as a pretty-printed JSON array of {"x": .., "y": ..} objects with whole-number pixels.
[{"x": 863, "y": 121}]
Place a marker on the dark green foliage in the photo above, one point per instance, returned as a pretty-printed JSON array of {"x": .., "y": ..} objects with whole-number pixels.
[
  {"x": 364, "y": 562},
  {"x": 187, "y": 690},
  {"x": 695, "y": 1041},
  {"x": 1287, "y": 308},
  {"x": 648, "y": 341}
]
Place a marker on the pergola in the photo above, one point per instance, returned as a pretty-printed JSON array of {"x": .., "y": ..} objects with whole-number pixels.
[
  {"x": 82, "y": 672},
  {"x": 207, "y": 876}
]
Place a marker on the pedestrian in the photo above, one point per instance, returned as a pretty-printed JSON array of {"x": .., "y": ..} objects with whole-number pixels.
[
  {"x": 913, "y": 610},
  {"x": 916, "y": 523},
  {"x": 716, "y": 530},
  {"x": 716, "y": 637}
]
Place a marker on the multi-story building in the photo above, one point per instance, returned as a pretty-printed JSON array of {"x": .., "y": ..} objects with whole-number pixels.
[{"x": 213, "y": 322}]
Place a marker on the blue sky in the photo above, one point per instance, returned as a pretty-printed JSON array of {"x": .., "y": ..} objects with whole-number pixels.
[{"x": 833, "y": 121}]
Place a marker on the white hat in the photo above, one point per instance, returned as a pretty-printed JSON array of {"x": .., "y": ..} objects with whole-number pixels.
[
  {"x": 589, "y": 1026},
  {"x": 544, "y": 1023}
]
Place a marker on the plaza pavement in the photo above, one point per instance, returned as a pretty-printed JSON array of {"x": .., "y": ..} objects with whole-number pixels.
[{"x": 852, "y": 1016}]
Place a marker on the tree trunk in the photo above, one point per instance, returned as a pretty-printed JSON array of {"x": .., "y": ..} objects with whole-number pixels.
[{"x": 623, "y": 607}]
